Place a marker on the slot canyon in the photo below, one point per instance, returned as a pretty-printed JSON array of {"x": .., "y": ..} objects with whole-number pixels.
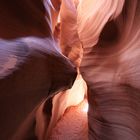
[{"x": 69, "y": 69}]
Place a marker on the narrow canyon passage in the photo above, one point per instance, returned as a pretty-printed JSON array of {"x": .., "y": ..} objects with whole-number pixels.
[
  {"x": 73, "y": 125},
  {"x": 70, "y": 70}
]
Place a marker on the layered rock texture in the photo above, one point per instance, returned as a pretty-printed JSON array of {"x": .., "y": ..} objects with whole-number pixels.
[{"x": 70, "y": 70}]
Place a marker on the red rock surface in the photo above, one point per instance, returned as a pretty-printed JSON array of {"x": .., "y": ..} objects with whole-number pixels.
[{"x": 73, "y": 125}]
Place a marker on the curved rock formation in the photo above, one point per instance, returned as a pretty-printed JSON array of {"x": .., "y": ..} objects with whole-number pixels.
[
  {"x": 101, "y": 38},
  {"x": 110, "y": 32},
  {"x": 31, "y": 66}
]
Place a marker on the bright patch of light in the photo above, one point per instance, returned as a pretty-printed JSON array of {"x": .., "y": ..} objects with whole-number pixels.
[{"x": 85, "y": 107}]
